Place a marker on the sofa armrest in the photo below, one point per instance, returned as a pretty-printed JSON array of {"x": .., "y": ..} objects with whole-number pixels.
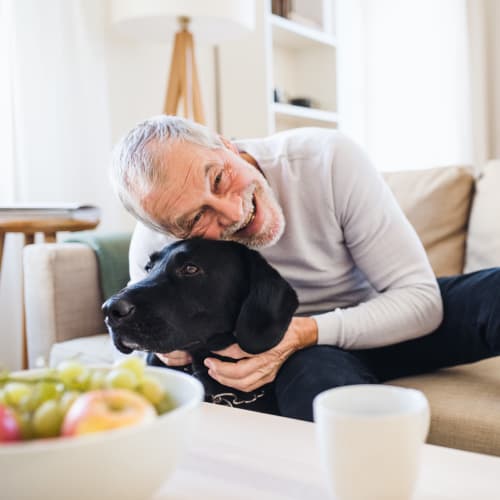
[{"x": 62, "y": 295}]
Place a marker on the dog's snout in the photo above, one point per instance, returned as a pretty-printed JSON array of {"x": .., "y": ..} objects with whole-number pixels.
[{"x": 118, "y": 309}]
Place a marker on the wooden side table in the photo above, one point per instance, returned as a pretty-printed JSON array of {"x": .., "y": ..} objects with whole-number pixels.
[{"x": 49, "y": 227}]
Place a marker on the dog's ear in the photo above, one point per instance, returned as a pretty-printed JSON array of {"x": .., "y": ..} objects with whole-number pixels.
[{"x": 268, "y": 308}]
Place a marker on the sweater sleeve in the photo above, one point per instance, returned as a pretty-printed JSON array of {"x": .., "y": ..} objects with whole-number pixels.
[{"x": 386, "y": 249}]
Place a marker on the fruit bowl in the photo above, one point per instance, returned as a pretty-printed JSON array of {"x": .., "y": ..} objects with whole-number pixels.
[{"x": 129, "y": 463}]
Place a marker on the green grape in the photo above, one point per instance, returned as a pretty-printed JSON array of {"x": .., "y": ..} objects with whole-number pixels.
[
  {"x": 43, "y": 391},
  {"x": 69, "y": 371},
  {"x": 119, "y": 378},
  {"x": 3, "y": 397},
  {"x": 97, "y": 380},
  {"x": 26, "y": 425},
  {"x": 133, "y": 363},
  {"x": 47, "y": 419},
  {"x": 67, "y": 400},
  {"x": 15, "y": 392},
  {"x": 166, "y": 404},
  {"x": 47, "y": 390},
  {"x": 82, "y": 381},
  {"x": 151, "y": 389}
]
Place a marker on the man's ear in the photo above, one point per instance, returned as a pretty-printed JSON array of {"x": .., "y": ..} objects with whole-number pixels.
[{"x": 268, "y": 308}]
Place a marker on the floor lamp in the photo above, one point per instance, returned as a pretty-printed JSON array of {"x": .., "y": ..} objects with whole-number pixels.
[{"x": 211, "y": 22}]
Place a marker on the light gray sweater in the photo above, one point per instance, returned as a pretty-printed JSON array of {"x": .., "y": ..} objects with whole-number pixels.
[{"x": 355, "y": 261}]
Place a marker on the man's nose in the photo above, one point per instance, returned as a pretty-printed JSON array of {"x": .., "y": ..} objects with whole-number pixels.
[{"x": 229, "y": 210}]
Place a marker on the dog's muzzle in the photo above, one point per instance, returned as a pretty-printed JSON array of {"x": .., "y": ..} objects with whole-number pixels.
[{"x": 118, "y": 311}]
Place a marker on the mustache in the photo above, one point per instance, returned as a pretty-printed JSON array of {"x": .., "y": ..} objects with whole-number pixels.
[{"x": 247, "y": 201}]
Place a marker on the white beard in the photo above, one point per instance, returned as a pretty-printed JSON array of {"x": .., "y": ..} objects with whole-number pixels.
[{"x": 274, "y": 220}]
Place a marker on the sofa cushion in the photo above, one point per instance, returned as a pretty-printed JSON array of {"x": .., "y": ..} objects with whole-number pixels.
[
  {"x": 483, "y": 238},
  {"x": 437, "y": 203},
  {"x": 465, "y": 405}
]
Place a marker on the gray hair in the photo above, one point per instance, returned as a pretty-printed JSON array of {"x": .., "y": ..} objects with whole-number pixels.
[{"x": 136, "y": 168}]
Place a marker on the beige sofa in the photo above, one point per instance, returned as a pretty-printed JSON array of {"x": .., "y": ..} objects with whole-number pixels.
[{"x": 455, "y": 214}]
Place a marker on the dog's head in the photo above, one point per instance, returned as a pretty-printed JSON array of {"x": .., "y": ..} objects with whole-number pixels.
[{"x": 202, "y": 294}]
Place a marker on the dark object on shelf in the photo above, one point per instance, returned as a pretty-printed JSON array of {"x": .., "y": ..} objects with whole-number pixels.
[
  {"x": 301, "y": 101},
  {"x": 276, "y": 7},
  {"x": 278, "y": 95},
  {"x": 281, "y": 7}
]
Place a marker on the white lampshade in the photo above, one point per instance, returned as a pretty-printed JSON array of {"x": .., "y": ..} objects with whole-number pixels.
[{"x": 211, "y": 21}]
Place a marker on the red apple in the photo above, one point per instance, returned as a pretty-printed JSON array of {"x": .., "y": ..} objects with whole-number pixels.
[
  {"x": 9, "y": 426},
  {"x": 106, "y": 409}
]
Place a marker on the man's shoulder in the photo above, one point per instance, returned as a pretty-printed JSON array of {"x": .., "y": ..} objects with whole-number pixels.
[{"x": 294, "y": 143}]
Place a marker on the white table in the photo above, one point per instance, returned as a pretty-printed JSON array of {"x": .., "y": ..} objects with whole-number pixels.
[{"x": 238, "y": 454}]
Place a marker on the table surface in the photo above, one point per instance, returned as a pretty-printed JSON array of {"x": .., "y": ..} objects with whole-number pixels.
[
  {"x": 238, "y": 454},
  {"x": 45, "y": 225}
]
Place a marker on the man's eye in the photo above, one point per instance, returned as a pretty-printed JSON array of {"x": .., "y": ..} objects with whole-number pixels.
[
  {"x": 189, "y": 270},
  {"x": 195, "y": 220},
  {"x": 217, "y": 180}
]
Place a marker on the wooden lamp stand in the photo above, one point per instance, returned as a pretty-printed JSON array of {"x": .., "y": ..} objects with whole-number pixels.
[{"x": 183, "y": 80}]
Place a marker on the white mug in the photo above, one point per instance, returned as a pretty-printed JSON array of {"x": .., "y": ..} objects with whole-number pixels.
[{"x": 370, "y": 439}]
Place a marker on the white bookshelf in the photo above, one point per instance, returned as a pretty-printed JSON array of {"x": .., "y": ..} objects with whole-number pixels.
[
  {"x": 294, "y": 35},
  {"x": 297, "y": 57},
  {"x": 297, "y": 115}
]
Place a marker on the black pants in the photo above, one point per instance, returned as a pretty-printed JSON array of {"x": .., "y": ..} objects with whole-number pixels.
[{"x": 470, "y": 331}]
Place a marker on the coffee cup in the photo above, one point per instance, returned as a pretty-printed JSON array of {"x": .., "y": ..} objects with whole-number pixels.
[{"x": 370, "y": 440}]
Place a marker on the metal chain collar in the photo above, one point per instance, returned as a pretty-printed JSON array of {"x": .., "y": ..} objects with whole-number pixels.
[{"x": 231, "y": 399}]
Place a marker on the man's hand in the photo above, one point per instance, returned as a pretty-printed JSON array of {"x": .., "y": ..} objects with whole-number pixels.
[
  {"x": 175, "y": 358},
  {"x": 255, "y": 370}
]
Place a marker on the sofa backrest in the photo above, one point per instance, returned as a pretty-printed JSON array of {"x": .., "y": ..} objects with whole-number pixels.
[
  {"x": 483, "y": 238},
  {"x": 437, "y": 203}
]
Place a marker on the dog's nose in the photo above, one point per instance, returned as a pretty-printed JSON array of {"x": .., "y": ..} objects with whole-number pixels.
[{"x": 118, "y": 309}]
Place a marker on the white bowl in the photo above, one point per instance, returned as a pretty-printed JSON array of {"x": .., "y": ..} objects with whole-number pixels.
[{"x": 129, "y": 463}]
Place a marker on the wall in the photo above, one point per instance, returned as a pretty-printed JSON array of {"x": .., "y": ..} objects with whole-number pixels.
[
  {"x": 134, "y": 76},
  {"x": 493, "y": 63},
  {"x": 137, "y": 78}
]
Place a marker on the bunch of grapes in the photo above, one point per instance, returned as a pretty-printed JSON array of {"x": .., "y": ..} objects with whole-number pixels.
[{"x": 41, "y": 401}]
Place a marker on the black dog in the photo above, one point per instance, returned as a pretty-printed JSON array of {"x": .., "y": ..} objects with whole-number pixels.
[{"x": 202, "y": 296}]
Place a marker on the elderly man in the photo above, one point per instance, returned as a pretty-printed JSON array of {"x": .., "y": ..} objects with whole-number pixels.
[{"x": 311, "y": 202}]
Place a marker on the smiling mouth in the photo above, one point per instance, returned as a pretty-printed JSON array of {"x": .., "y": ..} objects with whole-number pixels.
[{"x": 250, "y": 217}]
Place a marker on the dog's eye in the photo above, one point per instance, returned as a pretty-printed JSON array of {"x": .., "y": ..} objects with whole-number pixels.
[
  {"x": 153, "y": 259},
  {"x": 189, "y": 269}
]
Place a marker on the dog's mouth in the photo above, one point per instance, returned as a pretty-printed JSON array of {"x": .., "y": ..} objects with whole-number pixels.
[
  {"x": 123, "y": 345},
  {"x": 121, "y": 341},
  {"x": 126, "y": 345}
]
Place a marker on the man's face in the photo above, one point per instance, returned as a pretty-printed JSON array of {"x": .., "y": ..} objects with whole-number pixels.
[{"x": 214, "y": 194}]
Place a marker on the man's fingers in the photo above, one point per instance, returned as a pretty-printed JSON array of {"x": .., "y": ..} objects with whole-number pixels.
[
  {"x": 233, "y": 351},
  {"x": 246, "y": 384},
  {"x": 175, "y": 358},
  {"x": 238, "y": 370},
  {"x": 245, "y": 375}
]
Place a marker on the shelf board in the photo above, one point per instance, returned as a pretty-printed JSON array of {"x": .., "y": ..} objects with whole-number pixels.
[
  {"x": 289, "y": 111},
  {"x": 290, "y": 34}
]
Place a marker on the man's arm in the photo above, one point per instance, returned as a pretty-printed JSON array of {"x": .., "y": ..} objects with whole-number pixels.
[{"x": 386, "y": 249}]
